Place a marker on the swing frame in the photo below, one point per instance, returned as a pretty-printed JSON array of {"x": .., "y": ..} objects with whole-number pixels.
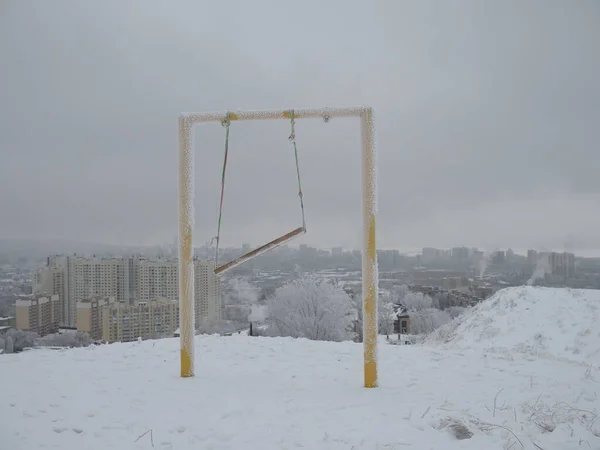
[{"x": 186, "y": 224}]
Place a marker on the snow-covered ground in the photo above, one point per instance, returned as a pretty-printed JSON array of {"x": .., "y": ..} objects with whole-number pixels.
[{"x": 265, "y": 393}]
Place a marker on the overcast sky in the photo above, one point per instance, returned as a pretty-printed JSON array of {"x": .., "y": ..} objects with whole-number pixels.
[{"x": 487, "y": 116}]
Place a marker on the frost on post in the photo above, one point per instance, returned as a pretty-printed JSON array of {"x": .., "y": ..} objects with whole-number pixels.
[
  {"x": 369, "y": 256},
  {"x": 374, "y": 197},
  {"x": 186, "y": 263}
]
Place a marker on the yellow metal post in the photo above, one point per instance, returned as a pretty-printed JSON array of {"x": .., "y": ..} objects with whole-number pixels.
[
  {"x": 369, "y": 251},
  {"x": 186, "y": 262}
]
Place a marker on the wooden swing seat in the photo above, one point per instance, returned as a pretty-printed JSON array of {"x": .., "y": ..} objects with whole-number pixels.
[{"x": 259, "y": 250}]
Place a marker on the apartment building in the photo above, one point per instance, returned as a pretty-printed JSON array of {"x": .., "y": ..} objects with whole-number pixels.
[
  {"x": 51, "y": 281},
  {"x": 75, "y": 278},
  {"x": 156, "y": 279},
  {"x": 90, "y": 317},
  {"x": 110, "y": 321},
  {"x": 562, "y": 264},
  {"x": 160, "y": 279},
  {"x": 38, "y": 313},
  {"x": 128, "y": 281},
  {"x": 207, "y": 293},
  {"x": 128, "y": 322},
  {"x": 552, "y": 263}
]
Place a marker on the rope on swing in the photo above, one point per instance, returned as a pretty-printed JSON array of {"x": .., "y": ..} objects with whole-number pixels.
[
  {"x": 292, "y": 139},
  {"x": 226, "y": 123}
]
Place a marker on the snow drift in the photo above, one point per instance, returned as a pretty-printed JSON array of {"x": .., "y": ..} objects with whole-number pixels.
[{"x": 544, "y": 322}]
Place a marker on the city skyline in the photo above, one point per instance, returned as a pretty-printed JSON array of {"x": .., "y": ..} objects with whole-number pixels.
[{"x": 88, "y": 248}]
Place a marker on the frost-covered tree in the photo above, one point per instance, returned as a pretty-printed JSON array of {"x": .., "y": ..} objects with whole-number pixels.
[
  {"x": 9, "y": 345},
  {"x": 426, "y": 320},
  {"x": 385, "y": 315},
  {"x": 69, "y": 339},
  {"x": 455, "y": 311},
  {"x": 398, "y": 293},
  {"x": 402, "y": 295},
  {"x": 445, "y": 301},
  {"x": 416, "y": 301},
  {"x": 358, "y": 311},
  {"x": 20, "y": 339},
  {"x": 310, "y": 307}
]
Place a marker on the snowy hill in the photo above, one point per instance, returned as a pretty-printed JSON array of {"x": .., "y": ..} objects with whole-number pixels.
[
  {"x": 541, "y": 322},
  {"x": 264, "y": 393}
]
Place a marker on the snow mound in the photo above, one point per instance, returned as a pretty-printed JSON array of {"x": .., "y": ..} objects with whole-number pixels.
[{"x": 543, "y": 322}]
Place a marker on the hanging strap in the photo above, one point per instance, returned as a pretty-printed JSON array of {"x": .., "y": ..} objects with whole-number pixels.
[
  {"x": 292, "y": 139},
  {"x": 226, "y": 122}
]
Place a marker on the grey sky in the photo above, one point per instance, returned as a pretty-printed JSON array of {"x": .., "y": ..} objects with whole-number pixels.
[{"x": 488, "y": 119}]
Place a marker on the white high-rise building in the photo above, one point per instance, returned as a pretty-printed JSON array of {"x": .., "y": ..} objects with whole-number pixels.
[
  {"x": 157, "y": 279},
  {"x": 127, "y": 280},
  {"x": 76, "y": 278},
  {"x": 207, "y": 294},
  {"x": 56, "y": 279},
  {"x": 160, "y": 279},
  {"x": 51, "y": 281}
]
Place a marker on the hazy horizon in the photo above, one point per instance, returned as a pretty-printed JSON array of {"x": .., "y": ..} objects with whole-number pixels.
[
  {"x": 590, "y": 253},
  {"x": 486, "y": 116}
]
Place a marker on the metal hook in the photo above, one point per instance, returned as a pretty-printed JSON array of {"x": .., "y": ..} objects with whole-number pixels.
[{"x": 226, "y": 121}]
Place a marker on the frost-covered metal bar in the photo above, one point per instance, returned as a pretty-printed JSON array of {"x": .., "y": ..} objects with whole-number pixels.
[
  {"x": 260, "y": 250},
  {"x": 186, "y": 223},
  {"x": 186, "y": 248},
  {"x": 304, "y": 113},
  {"x": 369, "y": 251}
]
